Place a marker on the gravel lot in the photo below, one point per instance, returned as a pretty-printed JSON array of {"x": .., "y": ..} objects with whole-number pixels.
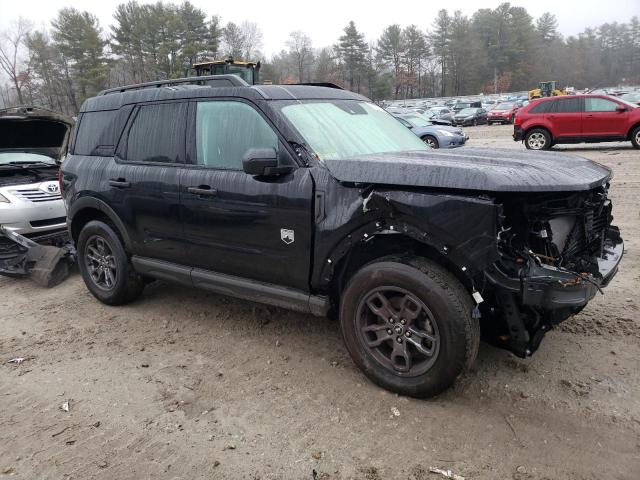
[{"x": 186, "y": 384}]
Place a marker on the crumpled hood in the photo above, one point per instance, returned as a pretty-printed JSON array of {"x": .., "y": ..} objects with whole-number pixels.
[
  {"x": 34, "y": 130},
  {"x": 484, "y": 169}
]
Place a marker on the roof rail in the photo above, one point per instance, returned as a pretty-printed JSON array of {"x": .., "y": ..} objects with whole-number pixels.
[
  {"x": 211, "y": 80},
  {"x": 321, "y": 84}
]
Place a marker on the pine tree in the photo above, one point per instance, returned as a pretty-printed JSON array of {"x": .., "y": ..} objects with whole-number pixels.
[{"x": 352, "y": 50}]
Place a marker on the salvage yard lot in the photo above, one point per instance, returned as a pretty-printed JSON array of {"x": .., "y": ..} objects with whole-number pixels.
[{"x": 187, "y": 384}]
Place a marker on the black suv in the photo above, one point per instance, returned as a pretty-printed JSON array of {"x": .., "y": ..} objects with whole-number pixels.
[{"x": 315, "y": 199}]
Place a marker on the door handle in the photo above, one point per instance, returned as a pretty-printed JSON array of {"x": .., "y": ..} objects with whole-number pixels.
[
  {"x": 203, "y": 191},
  {"x": 119, "y": 183}
]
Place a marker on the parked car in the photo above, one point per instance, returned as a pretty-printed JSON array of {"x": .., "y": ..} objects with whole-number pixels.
[
  {"x": 32, "y": 141},
  {"x": 577, "y": 119},
  {"x": 503, "y": 112},
  {"x": 436, "y": 136},
  {"x": 459, "y": 106},
  {"x": 441, "y": 114},
  {"x": 632, "y": 97},
  {"x": 470, "y": 116},
  {"x": 328, "y": 205}
]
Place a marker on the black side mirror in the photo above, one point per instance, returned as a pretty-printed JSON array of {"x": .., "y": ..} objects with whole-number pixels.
[
  {"x": 263, "y": 162},
  {"x": 621, "y": 108}
]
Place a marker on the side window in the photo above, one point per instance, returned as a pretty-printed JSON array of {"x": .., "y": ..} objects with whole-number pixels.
[
  {"x": 542, "y": 107},
  {"x": 599, "y": 105},
  {"x": 97, "y": 131},
  {"x": 158, "y": 134},
  {"x": 225, "y": 130},
  {"x": 569, "y": 105}
]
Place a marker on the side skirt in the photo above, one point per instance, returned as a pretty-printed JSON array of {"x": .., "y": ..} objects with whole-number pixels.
[{"x": 233, "y": 286}]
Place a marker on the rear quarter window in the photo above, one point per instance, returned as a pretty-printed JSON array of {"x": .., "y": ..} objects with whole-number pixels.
[{"x": 98, "y": 132}]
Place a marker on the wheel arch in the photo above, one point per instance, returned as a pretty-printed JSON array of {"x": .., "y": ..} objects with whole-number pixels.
[
  {"x": 633, "y": 127},
  {"x": 87, "y": 209}
]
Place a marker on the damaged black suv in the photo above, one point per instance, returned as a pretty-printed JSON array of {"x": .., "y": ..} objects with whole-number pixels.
[{"x": 315, "y": 199}]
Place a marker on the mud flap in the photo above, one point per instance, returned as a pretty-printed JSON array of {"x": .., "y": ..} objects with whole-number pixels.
[{"x": 44, "y": 264}]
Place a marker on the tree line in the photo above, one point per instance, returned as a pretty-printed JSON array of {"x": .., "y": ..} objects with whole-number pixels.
[{"x": 491, "y": 51}]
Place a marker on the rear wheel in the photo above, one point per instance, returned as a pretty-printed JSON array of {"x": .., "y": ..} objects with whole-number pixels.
[
  {"x": 635, "y": 137},
  {"x": 537, "y": 139},
  {"x": 475, "y": 122},
  {"x": 431, "y": 141},
  {"x": 407, "y": 324},
  {"x": 104, "y": 265}
]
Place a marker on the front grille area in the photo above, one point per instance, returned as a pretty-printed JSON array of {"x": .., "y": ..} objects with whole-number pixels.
[
  {"x": 48, "y": 221},
  {"x": 36, "y": 195}
]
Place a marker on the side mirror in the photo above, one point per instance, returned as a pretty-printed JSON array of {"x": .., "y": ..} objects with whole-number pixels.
[
  {"x": 621, "y": 108},
  {"x": 263, "y": 162}
]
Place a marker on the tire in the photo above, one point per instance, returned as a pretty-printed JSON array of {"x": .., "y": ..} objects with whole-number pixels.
[
  {"x": 444, "y": 314},
  {"x": 537, "y": 139},
  {"x": 100, "y": 250},
  {"x": 635, "y": 137},
  {"x": 475, "y": 122},
  {"x": 431, "y": 141}
]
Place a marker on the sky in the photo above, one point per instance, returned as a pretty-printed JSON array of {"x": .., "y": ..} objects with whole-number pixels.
[{"x": 324, "y": 20}]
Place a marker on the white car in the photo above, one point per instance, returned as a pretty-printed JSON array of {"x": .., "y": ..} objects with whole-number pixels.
[{"x": 31, "y": 143}]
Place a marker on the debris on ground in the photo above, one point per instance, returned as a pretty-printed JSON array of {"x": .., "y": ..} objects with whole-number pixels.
[
  {"x": 446, "y": 473},
  {"x": 17, "y": 360},
  {"x": 66, "y": 406},
  {"x": 395, "y": 412}
]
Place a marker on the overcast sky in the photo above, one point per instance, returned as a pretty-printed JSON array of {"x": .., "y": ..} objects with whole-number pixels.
[{"x": 324, "y": 20}]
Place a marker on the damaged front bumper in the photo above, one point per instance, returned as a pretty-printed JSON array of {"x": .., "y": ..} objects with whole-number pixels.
[
  {"x": 550, "y": 288},
  {"x": 20, "y": 256}
]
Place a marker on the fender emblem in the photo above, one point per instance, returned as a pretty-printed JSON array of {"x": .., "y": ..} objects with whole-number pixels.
[{"x": 287, "y": 236}]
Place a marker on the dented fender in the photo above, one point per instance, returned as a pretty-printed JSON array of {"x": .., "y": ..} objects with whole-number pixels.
[{"x": 462, "y": 228}]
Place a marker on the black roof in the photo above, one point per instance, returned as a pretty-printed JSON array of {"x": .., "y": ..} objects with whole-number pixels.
[{"x": 114, "y": 99}]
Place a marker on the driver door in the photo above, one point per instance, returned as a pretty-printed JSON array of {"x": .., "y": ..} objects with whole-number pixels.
[{"x": 234, "y": 223}]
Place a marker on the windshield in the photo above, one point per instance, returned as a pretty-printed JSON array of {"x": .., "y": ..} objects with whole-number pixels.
[
  {"x": 7, "y": 158},
  {"x": 631, "y": 97},
  {"x": 467, "y": 111},
  {"x": 627, "y": 102},
  {"x": 417, "y": 121},
  {"x": 341, "y": 129},
  {"x": 463, "y": 105},
  {"x": 503, "y": 106}
]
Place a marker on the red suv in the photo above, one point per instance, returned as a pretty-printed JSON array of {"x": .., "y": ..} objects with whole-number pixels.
[
  {"x": 575, "y": 119},
  {"x": 504, "y": 112}
]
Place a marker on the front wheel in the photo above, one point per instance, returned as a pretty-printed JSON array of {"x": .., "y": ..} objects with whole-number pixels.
[
  {"x": 537, "y": 139},
  {"x": 635, "y": 137},
  {"x": 431, "y": 141},
  {"x": 407, "y": 324},
  {"x": 104, "y": 265}
]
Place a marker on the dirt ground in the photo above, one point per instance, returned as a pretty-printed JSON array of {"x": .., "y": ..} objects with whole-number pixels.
[{"x": 186, "y": 384}]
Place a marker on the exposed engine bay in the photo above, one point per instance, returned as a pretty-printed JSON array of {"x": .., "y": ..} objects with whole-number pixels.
[{"x": 557, "y": 251}]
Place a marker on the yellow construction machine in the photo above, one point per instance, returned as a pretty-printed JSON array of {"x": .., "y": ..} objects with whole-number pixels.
[
  {"x": 248, "y": 71},
  {"x": 546, "y": 89}
]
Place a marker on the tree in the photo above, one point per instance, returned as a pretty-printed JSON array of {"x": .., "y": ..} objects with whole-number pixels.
[
  {"x": 390, "y": 50},
  {"x": 547, "y": 27},
  {"x": 77, "y": 35},
  {"x": 441, "y": 39},
  {"x": 301, "y": 52},
  {"x": 252, "y": 40},
  {"x": 352, "y": 51},
  {"x": 12, "y": 62}
]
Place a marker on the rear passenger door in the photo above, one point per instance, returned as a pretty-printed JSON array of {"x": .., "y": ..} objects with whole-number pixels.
[
  {"x": 235, "y": 223},
  {"x": 144, "y": 179},
  {"x": 565, "y": 117}
]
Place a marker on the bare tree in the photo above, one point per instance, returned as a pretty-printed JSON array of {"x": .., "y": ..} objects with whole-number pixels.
[
  {"x": 301, "y": 51},
  {"x": 12, "y": 49},
  {"x": 252, "y": 40}
]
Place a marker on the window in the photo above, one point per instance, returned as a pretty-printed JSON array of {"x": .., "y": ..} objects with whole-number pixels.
[
  {"x": 158, "y": 134},
  {"x": 542, "y": 107},
  {"x": 225, "y": 131},
  {"x": 599, "y": 105},
  {"x": 569, "y": 105},
  {"x": 97, "y": 131}
]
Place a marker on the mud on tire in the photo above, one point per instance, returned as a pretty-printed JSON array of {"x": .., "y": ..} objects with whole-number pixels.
[
  {"x": 438, "y": 339},
  {"x": 105, "y": 266}
]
